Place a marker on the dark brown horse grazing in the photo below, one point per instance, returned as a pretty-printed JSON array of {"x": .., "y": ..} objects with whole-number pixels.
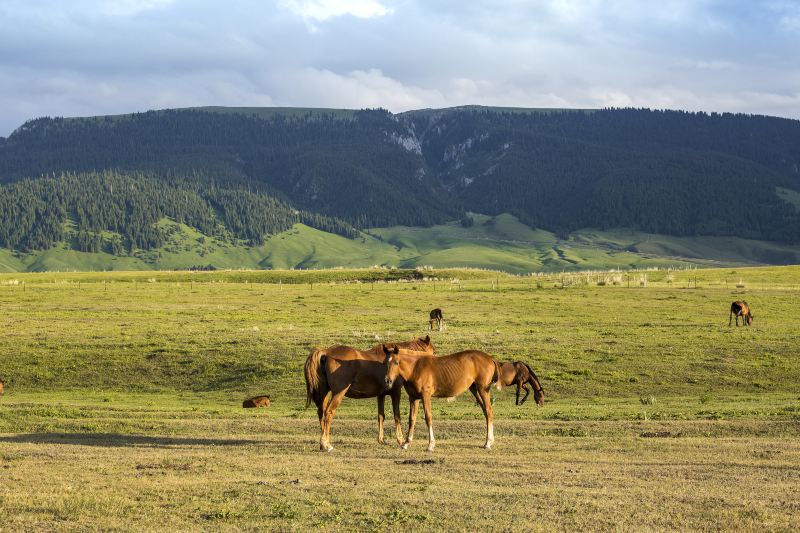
[
  {"x": 443, "y": 377},
  {"x": 741, "y": 309},
  {"x": 521, "y": 375},
  {"x": 436, "y": 318},
  {"x": 345, "y": 371}
]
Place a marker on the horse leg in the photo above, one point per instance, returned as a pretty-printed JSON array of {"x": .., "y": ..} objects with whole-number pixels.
[
  {"x": 398, "y": 427},
  {"x": 730, "y": 318},
  {"x": 413, "y": 406},
  {"x": 381, "y": 416},
  {"x": 426, "y": 405},
  {"x": 330, "y": 409},
  {"x": 527, "y": 391},
  {"x": 478, "y": 400},
  {"x": 487, "y": 412},
  {"x": 322, "y": 403}
]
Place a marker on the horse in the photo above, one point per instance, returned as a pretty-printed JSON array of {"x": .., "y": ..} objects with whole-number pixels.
[
  {"x": 521, "y": 375},
  {"x": 741, "y": 309},
  {"x": 437, "y": 318},
  {"x": 256, "y": 401},
  {"x": 345, "y": 371},
  {"x": 2, "y": 387},
  {"x": 443, "y": 377}
]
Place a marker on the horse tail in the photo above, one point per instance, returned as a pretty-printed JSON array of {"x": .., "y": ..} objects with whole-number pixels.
[
  {"x": 313, "y": 372},
  {"x": 497, "y": 379}
]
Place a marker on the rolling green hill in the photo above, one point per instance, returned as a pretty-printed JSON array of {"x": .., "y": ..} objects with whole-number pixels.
[{"x": 499, "y": 243}]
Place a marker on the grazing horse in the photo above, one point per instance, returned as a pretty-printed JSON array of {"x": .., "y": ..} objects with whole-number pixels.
[
  {"x": 436, "y": 318},
  {"x": 443, "y": 377},
  {"x": 2, "y": 387},
  {"x": 741, "y": 309},
  {"x": 521, "y": 375},
  {"x": 345, "y": 371}
]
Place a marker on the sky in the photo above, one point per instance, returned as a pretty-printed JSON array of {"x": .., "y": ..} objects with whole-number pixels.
[{"x": 96, "y": 57}]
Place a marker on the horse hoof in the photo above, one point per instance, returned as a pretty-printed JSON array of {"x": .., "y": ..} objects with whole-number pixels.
[
  {"x": 404, "y": 446},
  {"x": 429, "y": 449}
]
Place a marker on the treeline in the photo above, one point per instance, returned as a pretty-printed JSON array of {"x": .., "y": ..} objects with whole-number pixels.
[
  {"x": 666, "y": 172},
  {"x": 119, "y": 212},
  {"x": 319, "y": 162}
]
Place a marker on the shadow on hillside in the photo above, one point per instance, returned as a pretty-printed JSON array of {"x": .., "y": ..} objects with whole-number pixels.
[{"x": 113, "y": 440}]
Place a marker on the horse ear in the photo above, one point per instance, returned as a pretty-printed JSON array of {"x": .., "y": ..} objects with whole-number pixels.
[{"x": 427, "y": 339}]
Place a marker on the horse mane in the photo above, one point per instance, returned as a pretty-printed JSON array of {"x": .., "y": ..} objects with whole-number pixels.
[{"x": 535, "y": 379}]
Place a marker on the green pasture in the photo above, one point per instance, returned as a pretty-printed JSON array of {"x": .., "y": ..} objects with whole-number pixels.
[{"x": 124, "y": 389}]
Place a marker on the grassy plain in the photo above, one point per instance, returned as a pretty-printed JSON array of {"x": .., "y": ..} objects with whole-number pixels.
[{"x": 122, "y": 408}]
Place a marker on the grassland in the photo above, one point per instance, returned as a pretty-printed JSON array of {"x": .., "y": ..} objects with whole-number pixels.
[
  {"x": 499, "y": 243},
  {"x": 122, "y": 408}
]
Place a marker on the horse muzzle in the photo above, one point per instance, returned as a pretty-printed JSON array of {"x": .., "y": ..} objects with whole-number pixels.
[{"x": 389, "y": 383}]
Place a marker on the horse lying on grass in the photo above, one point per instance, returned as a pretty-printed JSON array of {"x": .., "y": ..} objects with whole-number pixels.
[
  {"x": 345, "y": 371},
  {"x": 521, "y": 375},
  {"x": 442, "y": 377}
]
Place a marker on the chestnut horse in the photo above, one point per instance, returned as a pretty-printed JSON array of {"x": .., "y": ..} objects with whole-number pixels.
[
  {"x": 521, "y": 375},
  {"x": 345, "y": 371},
  {"x": 443, "y": 377},
  {"x": 741, "y": 309}
]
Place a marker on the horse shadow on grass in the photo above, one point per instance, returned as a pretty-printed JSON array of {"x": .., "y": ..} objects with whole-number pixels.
[{"x": 118, "y": 440}]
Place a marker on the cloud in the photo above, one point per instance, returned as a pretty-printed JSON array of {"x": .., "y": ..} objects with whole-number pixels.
[
  {"x": 321, "y": 10},
  {"x": 89, "y": 57}
]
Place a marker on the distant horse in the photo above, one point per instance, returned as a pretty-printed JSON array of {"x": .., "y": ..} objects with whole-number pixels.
[
  {"x": 436, "y": 318},
  {"x": 521, "y": 375},
  {"x": 741, "y": 309},
  {"x": 443, "y": 377},
  {"x": 2, "y": 387},
  {"x": 256, "y": 401},
  {"x": 345, "y": 371}
]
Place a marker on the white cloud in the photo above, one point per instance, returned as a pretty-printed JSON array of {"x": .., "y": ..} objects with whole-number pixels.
[{"x": 321, "y": 10}]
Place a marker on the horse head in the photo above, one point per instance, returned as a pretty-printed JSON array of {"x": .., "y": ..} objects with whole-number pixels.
[
  {"x": 426, "y": 345},
  {"x": 392, "y": 362}
]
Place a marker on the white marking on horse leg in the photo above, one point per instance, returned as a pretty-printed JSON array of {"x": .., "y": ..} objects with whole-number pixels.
[
  {"x": 431, "y": 440},
  {"x": 489, "y": 437}
]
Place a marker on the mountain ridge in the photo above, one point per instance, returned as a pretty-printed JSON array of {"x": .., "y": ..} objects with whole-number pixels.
[{"x": 675, "y": 173}]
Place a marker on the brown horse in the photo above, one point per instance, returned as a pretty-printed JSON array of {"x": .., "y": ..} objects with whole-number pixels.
[
  {"x": 256, "y": 401},
  {"x": 443, "y": 377},
  {"x": 2, "y": 387},
  {"x": 741, "y": 309},
  {"x": 345, "y": 371},
  {"x": 521, "y": 375},
  {"x": 436, "y": 318}
]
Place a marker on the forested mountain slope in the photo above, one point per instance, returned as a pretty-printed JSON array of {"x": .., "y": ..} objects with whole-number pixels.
[{"x": 247, "y": 173}]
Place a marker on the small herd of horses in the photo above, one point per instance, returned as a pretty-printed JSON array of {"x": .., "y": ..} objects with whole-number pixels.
[{"x": 386, "y": 369}]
